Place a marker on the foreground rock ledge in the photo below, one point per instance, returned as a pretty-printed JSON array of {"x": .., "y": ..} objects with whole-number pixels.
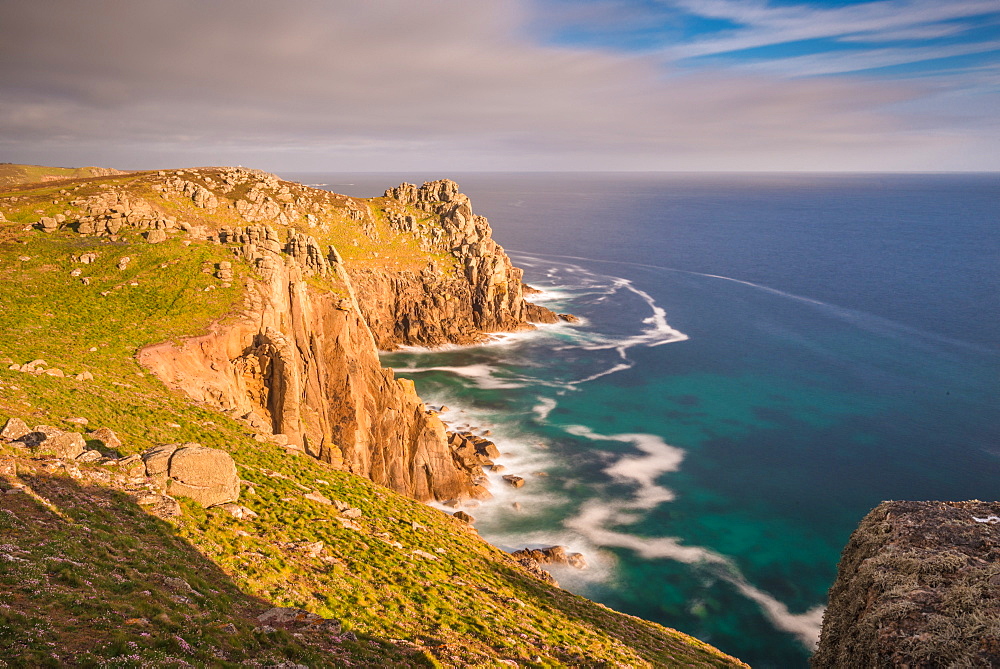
[{"x": 918, "y": 586}]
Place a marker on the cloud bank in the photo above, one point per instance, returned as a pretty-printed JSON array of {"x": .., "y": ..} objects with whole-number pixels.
[{"x": 451, "y": 85}]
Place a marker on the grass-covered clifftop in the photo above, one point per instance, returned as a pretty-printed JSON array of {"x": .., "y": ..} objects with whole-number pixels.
[{"x": 89, "y": 578}]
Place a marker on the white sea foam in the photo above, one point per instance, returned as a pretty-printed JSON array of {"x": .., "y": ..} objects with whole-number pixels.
[
  {"x": 658, "y": 334},
  {"x": 600, "y": 523},
  {"x": 482, "y": 375},
  {"x": 597, "y": 518},
  {"x": 620, "y": 367},
  {"x": 544, "y": 408},
  {"x": 660, "y": 458}
]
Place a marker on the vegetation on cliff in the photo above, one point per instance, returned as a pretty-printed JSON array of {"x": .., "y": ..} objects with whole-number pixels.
[
  {"x": 95, "y": 270},
  {"x": 918, "y": 586}
]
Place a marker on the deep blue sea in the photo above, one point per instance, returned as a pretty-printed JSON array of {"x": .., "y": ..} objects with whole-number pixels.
[{"x": 761, "y": 360}]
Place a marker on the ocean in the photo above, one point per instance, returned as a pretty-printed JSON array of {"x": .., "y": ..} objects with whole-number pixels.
[{"x": 761, "y": 359}]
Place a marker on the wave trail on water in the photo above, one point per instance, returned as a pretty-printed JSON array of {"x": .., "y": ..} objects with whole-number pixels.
[
  {"x": 864, "y": 320},
  {"x": 481, "y": 374},
  {"x": 596, "y": 519},
  {"x": 566, "y": 281}
]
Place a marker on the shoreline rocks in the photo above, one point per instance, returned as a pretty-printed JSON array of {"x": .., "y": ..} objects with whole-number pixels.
[{"x": 552, "y": 555}]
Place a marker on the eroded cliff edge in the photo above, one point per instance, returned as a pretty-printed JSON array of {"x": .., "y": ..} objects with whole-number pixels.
[
  {"x": 300, "y": 362},
  {"x": 918, "y": 586},
  {"x": 480, "y": 293}
]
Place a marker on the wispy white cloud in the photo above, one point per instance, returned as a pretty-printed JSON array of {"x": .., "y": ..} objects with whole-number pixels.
[
  {"x": 761, "y": 24},
  {"x": 857, "y": 61},
  {"x": 396, "y": 85}
]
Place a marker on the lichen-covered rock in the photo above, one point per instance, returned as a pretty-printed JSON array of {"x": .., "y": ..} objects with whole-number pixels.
[
  {"x": 13, "y": 429},
  {"x": 206, "y": 475},
  {"x": 299, "y": 620},
  {"x": 918, "y": 585},
  {"x": 67, "y": 445},
  {"x": 106, "y": 436}
]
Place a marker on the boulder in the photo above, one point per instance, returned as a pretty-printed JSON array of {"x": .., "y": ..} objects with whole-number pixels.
[
  {"x": 317, "y": 497},
  {"x": 464, "y": 517},
  {"x": 206, "y": 475},
  {"x": 156, "y": 236},
  {"x": 106, "y": 436},
  {"x": 67, "y": 445},
  {"x": 14, "y": 429},
  {"x": 298, "y": 619},
  {"x": 515, "y": 481},
  {"x": 237, "y": 511}
]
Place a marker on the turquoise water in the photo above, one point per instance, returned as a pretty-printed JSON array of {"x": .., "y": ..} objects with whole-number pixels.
[{"x": 754, "y": 371}]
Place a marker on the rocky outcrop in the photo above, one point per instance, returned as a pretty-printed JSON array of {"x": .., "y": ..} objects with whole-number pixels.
[
  {"x": 301, "y": 363},
  {"x": 459, "y": 302},
  {"x": 918, "y": 586},
  {"x": 552, "y": 555}
]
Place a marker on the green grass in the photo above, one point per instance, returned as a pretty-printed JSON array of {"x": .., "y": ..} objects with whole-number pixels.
[{"x": 86, "y": 585}]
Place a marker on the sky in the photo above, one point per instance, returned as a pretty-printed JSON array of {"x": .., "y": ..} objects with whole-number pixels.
[{"x": 503, "y": 85}]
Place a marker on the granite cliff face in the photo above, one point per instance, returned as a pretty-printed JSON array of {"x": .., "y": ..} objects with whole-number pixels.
[
  {"x": 918, "y": 586},
  {"x": 460, "y": 304},
  {"x": 300, "y": 364}
]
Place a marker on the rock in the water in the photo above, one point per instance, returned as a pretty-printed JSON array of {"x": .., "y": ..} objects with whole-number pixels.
[
  {"x": 464, "y": 517},
  {"x": 515, "y": 481},
  {"x": 13, "y": 429},
  {"x": 552, "y": 555},
  {"x": 206, "y": 475}
]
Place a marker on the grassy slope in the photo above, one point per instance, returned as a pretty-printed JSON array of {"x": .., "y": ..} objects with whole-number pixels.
[
  {"x": 86, "y": 583},
  {"x": 18, "y": 175}
]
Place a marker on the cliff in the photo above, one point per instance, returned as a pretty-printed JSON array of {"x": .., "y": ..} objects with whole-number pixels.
[
  {"x": 226, "y": 282},
  {"x": 301, "y": 365},
  {"x": 484, "y": 293},
  {"x": 329, "y": 280},
  {"x": 918, "y": 586}
]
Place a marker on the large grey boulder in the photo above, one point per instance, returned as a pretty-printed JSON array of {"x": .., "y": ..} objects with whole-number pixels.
[
  {"x": 206, "y": 475},
  {"x": 48, "y": 440},
  {"x": 15, "y": 428},
  {"x": 68, "y": 445}
]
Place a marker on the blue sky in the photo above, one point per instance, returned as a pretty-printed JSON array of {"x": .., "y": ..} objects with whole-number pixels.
[
  {"x": 880, "y": 38},
  {"x": 453, "y": 85}
]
